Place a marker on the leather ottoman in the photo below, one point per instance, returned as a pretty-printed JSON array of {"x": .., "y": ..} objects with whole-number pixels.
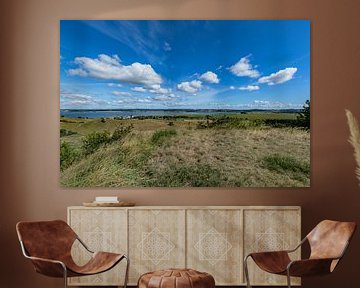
[{"x": 176, "y": 278}]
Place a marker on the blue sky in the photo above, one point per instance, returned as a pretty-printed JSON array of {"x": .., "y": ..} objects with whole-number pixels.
[{"x": 238, "y": 64}]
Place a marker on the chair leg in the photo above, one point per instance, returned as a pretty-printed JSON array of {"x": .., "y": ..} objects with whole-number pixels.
[
  {"x": 65, "y": 276},
  {"x": 288, "y": 278},
  {"x": 246, "y": 270},
  {"x": 127, "y": 271}
]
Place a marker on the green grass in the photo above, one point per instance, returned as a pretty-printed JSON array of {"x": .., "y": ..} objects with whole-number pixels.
[
  {"x": 183, "y": 175},
  {"x": 288, "y": 165},
  {"x": 160, "y": 136}
]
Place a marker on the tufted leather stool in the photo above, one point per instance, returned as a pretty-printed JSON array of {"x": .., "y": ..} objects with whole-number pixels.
[{"x": 176, "y": 278}]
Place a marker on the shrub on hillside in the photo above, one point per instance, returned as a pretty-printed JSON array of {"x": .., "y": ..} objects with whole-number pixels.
[
  {"x": 65, "y": 132},
  {"x": 120, "y": 132},
  {"x": 68, "y": 155},
  {"x": 94, "y": 140}
]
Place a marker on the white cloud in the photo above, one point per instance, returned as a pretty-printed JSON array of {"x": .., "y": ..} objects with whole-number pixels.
[
  {"x": 69, "y": 99},
  {"x": 138, "y": 89},
  {"x": 114, "y": 85},
  {"x": 164, "y": 97},
  {"x": 109, "y": 67},
  {"x": 279, "y": 77},
  {"x": 210, "y": 77},
  {"x": 76, "y": 97},
  {"x": 167, "y": 46},
  {"x": 160, "y": 90},
  {"x": 232, "y": 88},
  {"x": 189, "y": 87},
  {"x": 244, "y": 68},
  {"x": 250, "y": 88},
  {"x": 121, "y": 93},
  {"x": 155, "y": 89}
]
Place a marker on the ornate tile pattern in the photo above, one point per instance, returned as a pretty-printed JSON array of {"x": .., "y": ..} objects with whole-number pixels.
[
  {"x": 213, "y": 246},
  {"x": 156, "y": 246}
]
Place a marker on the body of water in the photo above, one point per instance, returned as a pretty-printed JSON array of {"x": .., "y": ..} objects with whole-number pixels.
[{"x": 138, "y": 112}]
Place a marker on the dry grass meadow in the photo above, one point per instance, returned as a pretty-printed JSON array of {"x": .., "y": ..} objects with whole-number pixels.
[{"x": 189, "y": 152}]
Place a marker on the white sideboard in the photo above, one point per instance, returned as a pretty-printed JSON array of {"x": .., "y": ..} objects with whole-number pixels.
[{"x": 212, "y": 239}]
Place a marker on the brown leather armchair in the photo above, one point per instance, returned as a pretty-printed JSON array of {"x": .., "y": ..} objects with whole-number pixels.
[
  {"x": 48, "y": 245},
  {"x": 328, "y": 242}
]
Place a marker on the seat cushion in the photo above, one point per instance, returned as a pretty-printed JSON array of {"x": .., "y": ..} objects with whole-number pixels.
[{"x": 176, "y": 278}]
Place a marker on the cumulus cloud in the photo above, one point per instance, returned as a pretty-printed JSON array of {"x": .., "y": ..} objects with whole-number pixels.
[
  {"x": 250, "y": 88},
  {"x": 279, "y": 77},
  {"x": 232, "y": 88},
  {"x": 190, "y": 87},
  {"x": 243, "y": 68},
  {"x": 210, "y": 77},
  {"x": 121, "y": 93},
  {"x": 159, "y": 90},
  {"x": 77, "y": 98},
  {"x": 154, "y": 89},
  {"x": 139, "y": 89},
  {"x": 70, "y": 99},
  {"x": 109, "y": 67}
]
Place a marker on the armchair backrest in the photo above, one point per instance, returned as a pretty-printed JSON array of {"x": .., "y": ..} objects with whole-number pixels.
[
  {"x": 46, "y": 239},
  {"x": 329, "y": 239}
]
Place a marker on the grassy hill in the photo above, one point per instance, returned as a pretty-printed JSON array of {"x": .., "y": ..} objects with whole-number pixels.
[{"x": 161, "y": 153}]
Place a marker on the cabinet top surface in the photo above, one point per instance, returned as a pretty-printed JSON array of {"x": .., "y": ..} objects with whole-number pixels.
[{"x": 192, "y": 207}]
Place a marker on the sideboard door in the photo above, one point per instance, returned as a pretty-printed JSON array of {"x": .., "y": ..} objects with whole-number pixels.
[
  {"x": 214, "y": 244},
  {"x": 156, "y": 240},
  {"x": 270, "y": 230},
  {"x": 101, "y": 230}
]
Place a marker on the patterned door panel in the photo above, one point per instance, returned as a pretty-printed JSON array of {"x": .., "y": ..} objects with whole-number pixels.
[
  {"x": 214, "y": 241},
  {"x": 157, "y": 240},
  {"x": 270, "y": 230},
  {"x": 101, "y": 230}
]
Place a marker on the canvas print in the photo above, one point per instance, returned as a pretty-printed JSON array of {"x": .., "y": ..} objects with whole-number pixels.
[{"x": 185, "y": 103}]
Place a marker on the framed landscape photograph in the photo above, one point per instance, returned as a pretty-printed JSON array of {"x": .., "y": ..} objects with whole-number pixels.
[{"x": 184, "y": 103}]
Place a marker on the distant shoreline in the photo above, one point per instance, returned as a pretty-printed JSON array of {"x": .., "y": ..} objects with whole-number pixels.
[{"x": 188, "y": 110}]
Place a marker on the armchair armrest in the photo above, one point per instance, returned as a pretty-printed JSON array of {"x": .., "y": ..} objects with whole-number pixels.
[
  {"x": 49, "y": 267},
  {"x": 83, "y": 244}
]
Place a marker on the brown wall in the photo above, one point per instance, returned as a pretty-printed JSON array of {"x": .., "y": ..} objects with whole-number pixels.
[{"x": 29, "y": 112}]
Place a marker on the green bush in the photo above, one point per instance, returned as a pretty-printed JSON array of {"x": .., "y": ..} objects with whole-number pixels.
[
  {"x": 68, "y": 155},
  {"x": 93, "y": 141},
  {"x": 120, "y": 132},
  {"x": 159, "y": 136},
  {"x": 304, "y": 116},
  {"x": 65, "y": 132}
]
